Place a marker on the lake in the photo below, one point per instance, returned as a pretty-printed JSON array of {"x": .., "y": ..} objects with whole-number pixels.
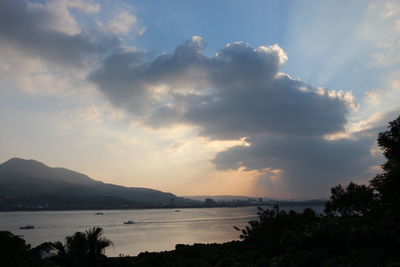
[{"x": 153, "y": 229}]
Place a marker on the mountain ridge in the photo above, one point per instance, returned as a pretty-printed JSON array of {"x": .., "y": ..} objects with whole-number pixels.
[{"x": 30, "y": 184}]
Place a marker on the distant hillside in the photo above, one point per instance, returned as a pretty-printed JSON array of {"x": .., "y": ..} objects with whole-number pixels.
[
  {"x": 235, "y": 201},
  {"x": 224, "y": 198},
  {"x": 29, "y": 184}
]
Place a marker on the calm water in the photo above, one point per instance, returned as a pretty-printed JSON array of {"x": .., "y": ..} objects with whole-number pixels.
[{"x": 154, "y": 229}]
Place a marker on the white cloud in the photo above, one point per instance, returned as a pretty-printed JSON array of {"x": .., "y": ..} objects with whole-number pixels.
[
  {"x": 87, "y": 6},
  {"x": 125, "y": 22}
]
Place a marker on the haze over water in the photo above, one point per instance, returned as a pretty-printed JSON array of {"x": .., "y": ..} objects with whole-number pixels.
[{"x": 153, "y": 230}]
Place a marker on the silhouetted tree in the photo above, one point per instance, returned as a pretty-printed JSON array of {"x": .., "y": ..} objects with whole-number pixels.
[
  {"x": 16, "y": 253},
  {"x": 387, "y": 184},
  {"x": 81, "y": 249},
  {"x": 96, "y": 244},
  {"x": 353, "y": 200},
  {"x": 13, "y": 250},
  {"x": 58, "y": 254},
  {"x": 275, "y": 228}
]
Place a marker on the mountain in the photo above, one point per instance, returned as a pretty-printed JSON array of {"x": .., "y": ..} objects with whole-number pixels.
[
  {"x": 29, "y": 184},
  {"x": 39, "y": 170}
]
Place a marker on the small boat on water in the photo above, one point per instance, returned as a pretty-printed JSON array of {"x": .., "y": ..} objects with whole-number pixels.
[
  {"x": 27, "y": 227},
  {"x": 129, "y": 222}
]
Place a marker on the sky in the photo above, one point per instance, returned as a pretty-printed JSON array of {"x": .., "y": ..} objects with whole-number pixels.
[{"x": 270, "y": 98}]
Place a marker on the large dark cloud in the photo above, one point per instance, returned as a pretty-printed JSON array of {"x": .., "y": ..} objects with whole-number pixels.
[
  {"x": 240, "y": 93},
  {"x": 30, "y": 28},
  {"x": 234, "y": 94},
  {"x": 276, "y": 107}
]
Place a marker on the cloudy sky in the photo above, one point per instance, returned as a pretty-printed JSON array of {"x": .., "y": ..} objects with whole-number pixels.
[{"x": 263, "y": 98}]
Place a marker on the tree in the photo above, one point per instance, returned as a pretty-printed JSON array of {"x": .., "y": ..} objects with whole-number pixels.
[
  {"x": 96, "y": 244},
  {"x": 387, "y": 184},
  {"x": 58, "y": 254},
  {"x": 81, "y": 249},
  {"x": 276, "y": 228},
  {"x": 13, "y": 250},
  {"x": 353, "y": 200}
]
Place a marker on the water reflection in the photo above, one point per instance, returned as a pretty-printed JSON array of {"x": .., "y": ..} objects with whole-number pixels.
[{"x": 153, "y": 229}]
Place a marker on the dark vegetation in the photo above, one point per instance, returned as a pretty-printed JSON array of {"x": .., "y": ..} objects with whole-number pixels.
[{"x": 360, "y": 227}]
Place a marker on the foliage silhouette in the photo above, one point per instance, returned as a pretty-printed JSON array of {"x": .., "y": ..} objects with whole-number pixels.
[
  {"x": 387, "y": 184},
  {"x": 81, "y": 249},
  {"x": 352, "y": 200},
  {"x": 16, "y": 253}
]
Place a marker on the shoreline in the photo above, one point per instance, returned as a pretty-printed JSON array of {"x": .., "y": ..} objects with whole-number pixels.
[{"x": 280, "y": 204}]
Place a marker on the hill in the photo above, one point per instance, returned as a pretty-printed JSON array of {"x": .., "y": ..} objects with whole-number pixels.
[{"x": 31, "y": 185}]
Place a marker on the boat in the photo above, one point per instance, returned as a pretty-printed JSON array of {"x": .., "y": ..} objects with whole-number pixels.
[
  {"x": 99, "y": 213},
  {"x": 27, "y": 227},
  {"x": 129, "y": 222}
]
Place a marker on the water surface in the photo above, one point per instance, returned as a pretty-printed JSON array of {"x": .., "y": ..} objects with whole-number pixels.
[{"x": 153, "y": 230}]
